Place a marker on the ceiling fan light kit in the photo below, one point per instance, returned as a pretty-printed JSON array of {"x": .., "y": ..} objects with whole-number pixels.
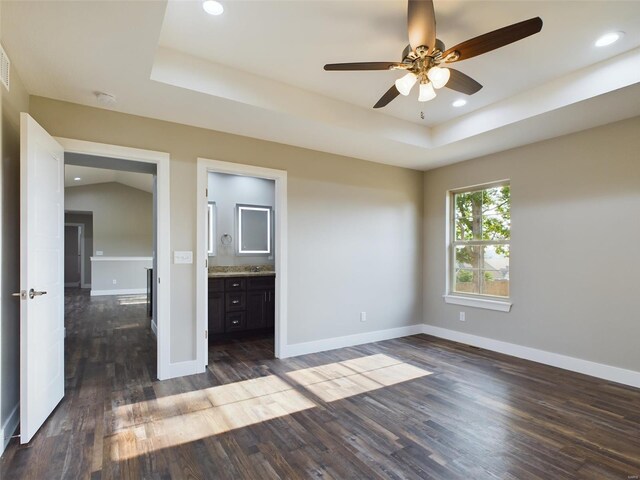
[
  {"x": 426, "y": 92},
  {"x": 405, "y": 84},
  {"x": 439, "y": 76},
  {"x": 423, "y": 57}
]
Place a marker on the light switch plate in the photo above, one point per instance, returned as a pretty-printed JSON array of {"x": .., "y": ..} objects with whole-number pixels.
[{"x": 182, "y": 257}]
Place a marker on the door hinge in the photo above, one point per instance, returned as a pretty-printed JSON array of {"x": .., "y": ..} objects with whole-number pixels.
[
  {"x": 206, "y": 334},
  {"x": 206, "y": 192}
]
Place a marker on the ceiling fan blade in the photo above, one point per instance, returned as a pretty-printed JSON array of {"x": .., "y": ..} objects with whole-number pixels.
[
  {"x": 461, "y": 82},
  {"x": 421, "y": 24},
  {"x": 387, "y": 97},
  {"x": 496, "y": 39},
  {"x": 359, "y": 66}
]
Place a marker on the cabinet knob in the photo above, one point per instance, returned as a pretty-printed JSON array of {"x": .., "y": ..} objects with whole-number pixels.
[
  {"x": 235, "y": 301},
  {"x": 235, "y": 322},
  {"x": 235, "y": 285}
]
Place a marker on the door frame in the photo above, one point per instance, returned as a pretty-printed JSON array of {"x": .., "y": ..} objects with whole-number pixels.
[
  {"x": 204, "y": 167},
  {"x": 165, "y": 369},
  {"x": 80, "y": 248}
]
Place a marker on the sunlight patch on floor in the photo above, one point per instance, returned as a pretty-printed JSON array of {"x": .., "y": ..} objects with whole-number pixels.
[
  {"x": 132, "y": 300},
  {"x": 169, "y": 421},
  {"x": 173, "y": 420},
  {"x": 339, "y": 380}
]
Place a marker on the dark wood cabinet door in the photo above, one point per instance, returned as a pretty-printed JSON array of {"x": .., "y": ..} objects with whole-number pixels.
[
  {"x": 216, "y": 313},
  {"x": 256, "y": 306},
  {"x": 270, "y": 309},
  {"x": 235, "y": 321}
]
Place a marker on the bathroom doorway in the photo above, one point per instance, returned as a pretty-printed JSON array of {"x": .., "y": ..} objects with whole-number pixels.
[{"x": 241, "y": 244}]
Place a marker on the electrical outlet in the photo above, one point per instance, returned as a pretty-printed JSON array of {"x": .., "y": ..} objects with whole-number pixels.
[
  {"x": 363, "y": 316},
  {"x": 462, "y": 317},
  {"x": 115, "y": 281}
]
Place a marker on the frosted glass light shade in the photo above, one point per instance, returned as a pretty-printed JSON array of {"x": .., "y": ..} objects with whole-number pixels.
[
  {"x": 426, "y": 92},
  {"x": 439, "y": 76},
  {"x": 405, "y": 83}
]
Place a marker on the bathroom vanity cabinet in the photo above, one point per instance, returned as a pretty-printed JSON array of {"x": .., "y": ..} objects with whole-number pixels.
[{"x": 241, "y": 304}]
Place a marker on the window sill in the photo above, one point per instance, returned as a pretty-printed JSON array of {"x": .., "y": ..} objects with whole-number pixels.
[{"x": 498, "y": 305}]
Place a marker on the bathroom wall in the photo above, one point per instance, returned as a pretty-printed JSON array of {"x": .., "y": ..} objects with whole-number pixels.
[{"x": 227, "y": 191}]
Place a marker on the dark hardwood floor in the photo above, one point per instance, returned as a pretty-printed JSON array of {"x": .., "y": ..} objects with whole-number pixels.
[{"x": 416, "y": 407}]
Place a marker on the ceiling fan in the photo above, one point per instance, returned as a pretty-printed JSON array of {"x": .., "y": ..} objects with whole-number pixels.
[{"x": 423, "y": 57}]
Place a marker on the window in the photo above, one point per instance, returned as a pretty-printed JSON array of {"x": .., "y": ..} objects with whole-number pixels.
[{"x": 480, "y": 234}]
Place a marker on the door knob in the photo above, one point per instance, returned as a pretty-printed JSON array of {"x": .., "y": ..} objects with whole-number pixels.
[{"x": 33, "y": 293}]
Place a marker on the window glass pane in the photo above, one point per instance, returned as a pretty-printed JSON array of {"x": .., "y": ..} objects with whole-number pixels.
[
  {"x": 467, "y": 269},
  {"x": 468, "y": 214},
  {"x": 496, "y": 227},
  {"x": 495, "y": 270}
]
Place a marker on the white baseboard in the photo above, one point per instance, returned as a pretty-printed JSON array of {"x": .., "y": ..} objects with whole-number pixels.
[
  {"x": 180, "y": 369},
  {"x": 154, "y": 327},
  {"x": 599, "y": 370},
  {"x": 129, "y": 291},
  {"x": 9, "y": 427},
  {"x": 348, "y": 341}
]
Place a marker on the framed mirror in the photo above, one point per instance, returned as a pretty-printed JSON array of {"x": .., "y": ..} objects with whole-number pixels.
[
  {"x": 254, "y": 229},
  {"x": 211, "y": 229}
]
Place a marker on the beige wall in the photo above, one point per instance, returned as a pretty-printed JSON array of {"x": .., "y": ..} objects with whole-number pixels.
[
  {"x": 12, "y": 103},
  {"x": 122, "y": 217},
  {"x": 575, "y": 265},
  {"x": 343, "y": 213}
]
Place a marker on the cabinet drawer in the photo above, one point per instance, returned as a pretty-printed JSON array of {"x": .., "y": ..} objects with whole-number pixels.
[
  {"x": 235, "y": 301},
  {"x": 235, "y": 321},
  {"x": 231, "y": 284},
  {"x": 216, "y": 284},
  {"x": 261, "y": 283}
]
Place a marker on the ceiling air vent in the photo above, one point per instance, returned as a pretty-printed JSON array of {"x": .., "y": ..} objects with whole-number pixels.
[{"x": 5, "y": 67}]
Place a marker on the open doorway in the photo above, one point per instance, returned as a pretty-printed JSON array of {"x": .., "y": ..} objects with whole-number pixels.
[
  {"x": 241, "y": 296},
  {"x": 241, "y": 263},
  {"x": 110, "y": 245}
]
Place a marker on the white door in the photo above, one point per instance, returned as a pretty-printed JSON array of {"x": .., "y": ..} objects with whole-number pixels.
[{"x": 41, "y": 276}]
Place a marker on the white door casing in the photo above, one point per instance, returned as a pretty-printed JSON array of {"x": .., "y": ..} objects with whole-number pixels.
[{"x": 41, "y": 270}]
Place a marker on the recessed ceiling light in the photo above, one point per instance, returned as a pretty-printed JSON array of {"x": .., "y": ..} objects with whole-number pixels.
[
  {"x": 459, "y": 103},
  {"x": 77, "y": 179},
  {"x": 609, "y": 38},
  {"x": 212, "y": 7}
]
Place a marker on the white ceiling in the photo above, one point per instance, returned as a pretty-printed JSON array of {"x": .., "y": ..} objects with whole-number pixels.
[
  {"x": 257, "y": 70},
  {"x": 91, "y": 176}
]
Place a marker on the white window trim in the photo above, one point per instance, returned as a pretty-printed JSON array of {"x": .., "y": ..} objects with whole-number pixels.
[{"x": 477, "y": 301}]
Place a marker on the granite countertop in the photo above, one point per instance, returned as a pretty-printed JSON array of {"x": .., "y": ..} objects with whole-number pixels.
[
  {"x": 241, "y": 274},
  {"x": 241, "y": 271}
]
